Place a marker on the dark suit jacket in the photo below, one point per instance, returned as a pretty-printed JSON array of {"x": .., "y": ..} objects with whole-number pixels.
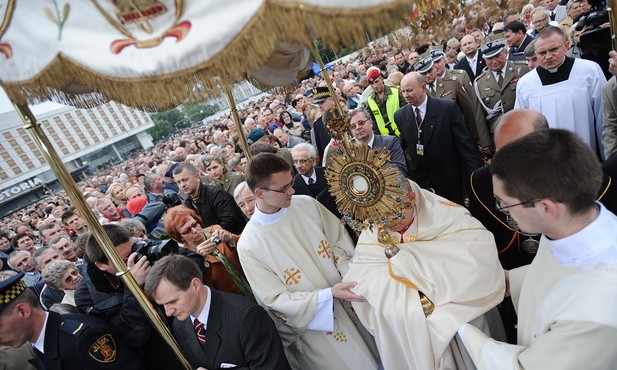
[
  {"x": 464, "y": 64},
  {"x": 516, "y": 53},
  {"x": 238, "y": 332},
  {"x": 393, "y": 144},
  {"x": 448, "y": 147},
  {"x": 74, "y": 342},
  {"x": 302, "y": 188}
]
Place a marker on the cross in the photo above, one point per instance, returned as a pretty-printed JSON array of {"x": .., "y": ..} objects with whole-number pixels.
[
  {"x": 324, "y": 249},
  {"x": 292, "y": 276}
]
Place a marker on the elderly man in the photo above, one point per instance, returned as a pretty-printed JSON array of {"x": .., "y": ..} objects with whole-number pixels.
[
  {"x": 414, "y": 306},
  {"x": 300, "y": 284},
  {"x": 286, "y": 140},
  {"x": 566, "y": 90},
  {"x": 566, "y": 297},
  {"x": 245, "y": 199},
  {"x": 495, "y": 87},
  {"x": 361, "y": 127},
  {"x": 22, "y": 261},
  {"x": 108, "y": 210},
  {"x": 310, "y": 179}
]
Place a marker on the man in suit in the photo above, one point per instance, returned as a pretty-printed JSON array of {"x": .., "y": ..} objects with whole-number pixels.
[
  {"x": 517, "y": 39},
  {"x": 361, "y": 127},
  {"x": 310, "y": 180},
  {"x": 66, "y": 342},
  {"x": 472, "y": 63},
  {"x": 556, "y": 12},
  {"x": 452, "y": 89},
  {"x": 437, "y": 142},
  {"x": 215, "y": 330}
]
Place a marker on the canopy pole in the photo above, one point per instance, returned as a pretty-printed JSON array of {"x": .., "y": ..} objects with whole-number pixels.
[
  {"x": 326, "y": 77},
  {"x": 234, "y": 113},
  {"x": 65, "y": 179},
  {"x": 612, "y": 16}
]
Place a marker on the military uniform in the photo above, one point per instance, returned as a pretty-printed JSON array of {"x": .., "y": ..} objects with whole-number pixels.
[
  {"x": 70, "y": 342},
  {"x": 497, "y": 100},
  {"x": 453, "y": 89}
]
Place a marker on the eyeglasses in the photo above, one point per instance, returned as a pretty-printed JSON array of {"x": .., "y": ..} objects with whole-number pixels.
[
  {"x": 499, "y": 202},
  {"x": 538, "y": 21},
  {"x": 282, "y": 190},
  {"x": 303, "y": 161},
  {"x": 358, "y": 123}
]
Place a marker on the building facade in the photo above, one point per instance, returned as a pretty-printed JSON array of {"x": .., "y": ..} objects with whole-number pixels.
[{"x": 83, "y": 138}]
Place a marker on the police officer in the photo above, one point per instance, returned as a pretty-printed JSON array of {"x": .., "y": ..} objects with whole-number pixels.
[
  {"x": 72, "y": 341},
  {"x": 496, "y": 86}
]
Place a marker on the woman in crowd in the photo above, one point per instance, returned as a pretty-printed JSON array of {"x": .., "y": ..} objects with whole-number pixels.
[
  {"x": 117, "y": 193},
  {"x": 289, "y": 126},
  {"x": 62, "y": 275},
  {"x": 218, "y": 175},
  {"x": 218, "y": 246}
]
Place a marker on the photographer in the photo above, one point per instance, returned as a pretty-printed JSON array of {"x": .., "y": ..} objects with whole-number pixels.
[
  {"x": 216, "y": 245},
  {"x": 103, "y": 294}
]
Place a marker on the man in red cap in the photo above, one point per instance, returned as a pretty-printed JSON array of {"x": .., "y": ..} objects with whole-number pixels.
[{"x": 383, "y": 102}]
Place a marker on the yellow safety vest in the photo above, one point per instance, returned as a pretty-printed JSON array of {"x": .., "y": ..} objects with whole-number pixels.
[{"x": 392, "y": 105}]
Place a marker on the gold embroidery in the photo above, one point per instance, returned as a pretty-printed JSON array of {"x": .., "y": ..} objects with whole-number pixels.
[
  {"x": 292, "y": 276},
  {"x": 324, "y": 250},
  {"x": 281, "y": 316}
]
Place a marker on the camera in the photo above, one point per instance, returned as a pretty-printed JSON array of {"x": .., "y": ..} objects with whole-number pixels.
[
  {"x": 592, "y": 20},
  {"x": 215, "y": 239},
  {"x": 170, "y": 200},
  {"x": 154, "y": 250}
]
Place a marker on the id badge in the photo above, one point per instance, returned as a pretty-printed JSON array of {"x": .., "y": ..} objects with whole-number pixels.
[{"x": 419, "y": 149}]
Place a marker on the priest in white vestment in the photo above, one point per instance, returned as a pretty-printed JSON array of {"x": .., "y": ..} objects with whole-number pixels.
[
  {"x": 294, "y": 252},
  {"x": 445, "y": 254},
  {"x": 566, "y": 297},
  {"x": 567, "y": 91}
]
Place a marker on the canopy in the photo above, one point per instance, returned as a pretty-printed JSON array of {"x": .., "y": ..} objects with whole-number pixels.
[{"x": 153, "y": 53}]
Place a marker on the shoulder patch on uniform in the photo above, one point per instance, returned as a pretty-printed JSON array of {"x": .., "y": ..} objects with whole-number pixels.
[
  {"x": 72, "y": 327},
  {"x": 103, "y": 349}
]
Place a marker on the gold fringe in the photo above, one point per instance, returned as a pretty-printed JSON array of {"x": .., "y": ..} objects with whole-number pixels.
[{"x": 64, "y": 80}]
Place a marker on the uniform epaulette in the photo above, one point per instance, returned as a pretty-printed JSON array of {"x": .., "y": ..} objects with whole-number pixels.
[
  {"x": 522, "y": 62},
  {"x": 73, "y": 327}
]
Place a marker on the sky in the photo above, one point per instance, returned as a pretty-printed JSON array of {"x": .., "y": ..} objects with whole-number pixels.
[{"x": 6, "y": 106}]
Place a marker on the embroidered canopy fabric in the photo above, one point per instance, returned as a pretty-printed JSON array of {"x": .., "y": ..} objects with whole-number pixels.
[{"x": 154, "y": 54}]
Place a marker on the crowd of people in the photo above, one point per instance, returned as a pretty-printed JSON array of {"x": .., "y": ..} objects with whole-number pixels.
[{"x": 501, "y": 255}]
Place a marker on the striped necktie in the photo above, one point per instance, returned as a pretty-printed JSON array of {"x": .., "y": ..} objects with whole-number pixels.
[{"x": 200, "y": 331}]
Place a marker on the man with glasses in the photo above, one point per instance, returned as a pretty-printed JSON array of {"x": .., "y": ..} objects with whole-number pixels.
[
  {"x": 361, "y": 127},
  {"x": 383, "y": 102},
  {"x": 294, "y": 252},
  {"x": 310, "y": 179},
  {"x": 548, "y": 181},
  {"x": 567, "y": 91},
  {"x": 539, "y": 21}
]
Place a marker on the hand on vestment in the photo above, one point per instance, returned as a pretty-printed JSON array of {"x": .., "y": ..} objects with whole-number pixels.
[{"x": 343, "y": 291}]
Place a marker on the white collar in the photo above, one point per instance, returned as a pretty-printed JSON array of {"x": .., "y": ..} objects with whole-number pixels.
[
  {"x": 313, "y": 176},
  {"x": 590, "y": 245},
  {"x": 503, "y": 71},
  {"x": 260, "y": 218},
  {"x": 471, "y": 60},
  {"x": 40, "y": 341},
  {"x": 370, "y": 142},
  {"x": 422, "y": 106},
  {"x": 205, "y": 312}
]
